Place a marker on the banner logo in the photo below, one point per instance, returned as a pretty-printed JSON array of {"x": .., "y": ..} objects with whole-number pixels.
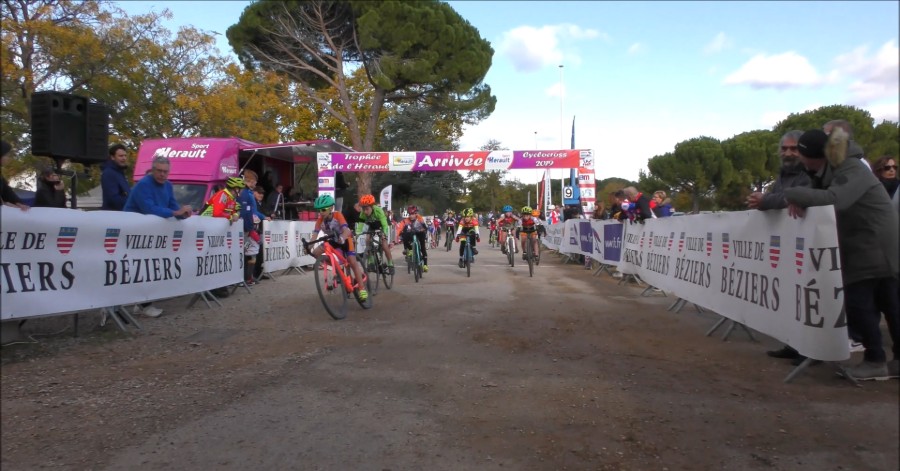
[
  {"x": 176, "y": 240},
  {"x": 671, "y": 240},
  {"x": 708, "y": 244},
  {"x": 228, "y": 239},
  {"x": 774, "y": 250},
  {"x": 268, "y": 236},
  {"x": 681, "y": 242},
  {"x": 799, "y": 255},
  {"x": 199, "y": 240},
  {"x": 111, "y": 240},
  {"x": 66, "y": 239},
  {"x": 726, "y": 245}
]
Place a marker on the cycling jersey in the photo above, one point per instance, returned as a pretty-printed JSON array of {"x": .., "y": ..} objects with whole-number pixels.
[
  {"x": 450, "y": 222},
  {"x": 376, "y": 221},
  {"x": 529, "y": 224},
  {"x": 333, "y": 227},
  {"x": 467, "y": 224},
  {"x": 223, "y": 204},
  {"x": 506, "y": 222},
  {"x": 417, "y": 224}
]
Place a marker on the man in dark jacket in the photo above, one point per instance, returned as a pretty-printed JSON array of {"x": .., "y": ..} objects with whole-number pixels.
[
  {"x": 867, "y": 228},
  {"x": 8, "y": 196},
  {"x": 792, "y": 174},
  {"x": 642, "y": 209},
  {"x": 112, "y": 181}
]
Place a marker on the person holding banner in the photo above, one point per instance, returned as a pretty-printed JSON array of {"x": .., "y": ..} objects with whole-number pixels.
[
  {"x": 375, "y": 219},
  {"x": 867, "y": 229},
  {"x": 792, "y": 174}
]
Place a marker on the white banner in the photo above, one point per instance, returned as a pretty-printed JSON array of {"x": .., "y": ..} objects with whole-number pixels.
[
  {"x": 386, "y": 196},
  {"x": 554, "y": 236},
  {"x": 778, "y": 275},
  {"x": 59, "y": 260},
  {"x": 281, "y": 244}
]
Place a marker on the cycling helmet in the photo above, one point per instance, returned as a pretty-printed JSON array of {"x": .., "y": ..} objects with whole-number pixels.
[
  {"x": 235, "y": 182},
  {"x": 507, "y": 209},
  {"x": 412, "y": 209},
  {"x": 367, "y": 200},
  {"x": 526, "y": 209},
  {"x": 468, "y": 212},
  {"x": 323, "y": 202}
]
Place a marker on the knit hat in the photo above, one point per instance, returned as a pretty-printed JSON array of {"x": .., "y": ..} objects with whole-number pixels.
[
  {"x": 5, "y": 147},
  {"x": 812, "y": 144}
]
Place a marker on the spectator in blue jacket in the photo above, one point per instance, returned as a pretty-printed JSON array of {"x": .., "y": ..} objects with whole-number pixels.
[
  {"x": 249, "y": 212},
  {"x": 112, "y": 181},
  {"x": 154, "y": 195}
]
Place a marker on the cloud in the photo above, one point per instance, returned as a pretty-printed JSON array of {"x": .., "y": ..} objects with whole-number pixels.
[
  {"x": 884, "y": 111},
  {"x": 874, "y": 76},
  {"x": 786, "y": 70},
  {"x": 718, "y": 44},
  {"x": 556, "y": 90},
  {"x": 530, "y": 49},
  {"x": 635, "y": 48}
]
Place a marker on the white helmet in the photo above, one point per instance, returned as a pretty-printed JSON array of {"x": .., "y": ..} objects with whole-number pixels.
[{"x": 405, "y": 213}]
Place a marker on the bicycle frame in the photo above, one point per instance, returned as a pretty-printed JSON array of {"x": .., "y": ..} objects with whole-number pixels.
[{"x": 338, "y": 260}]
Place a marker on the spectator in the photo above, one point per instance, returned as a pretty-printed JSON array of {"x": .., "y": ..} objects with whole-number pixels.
[
  {"x": 251, "y": 216},
  {"x": 886, "y": 171},
  {"x": 867, "y": 229},
  {"x": 153, "y": 194},
  {"x": 641, "y": 202},
  {"x": 340, "y": 190},
  {"x": 853, "y": 149},
  {"x": 571, "y": 211},
  {"x": 663, "y": 206},
  {"x": 600, "y": 212},
  {"x": 8, "y": 197},
  {"x": 618, "y": 212},
  {"x": 554, "y": 215},
  {"x": 113, "y": 181},
  {"x": 258, "y": 193},
  {"x": 792, "y": 174},
  {"x": 275, "y": 203},
  {"x": 50, "y": 191}
]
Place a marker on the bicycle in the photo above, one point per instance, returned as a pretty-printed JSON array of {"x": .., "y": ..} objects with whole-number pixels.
[
  {"x": 375, "y": 260},
  {"x": 493, "y": 238},
  {"x": 510, "y": 247},
  {"x": 334, "y": 279},
  {"x": 414, "y": 261},
  {"x": 449, "y": 237},
  {"x": 468, "y": 256}
]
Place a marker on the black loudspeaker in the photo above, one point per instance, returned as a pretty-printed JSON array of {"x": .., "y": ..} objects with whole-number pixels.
[{"x": 65, "y": 126}]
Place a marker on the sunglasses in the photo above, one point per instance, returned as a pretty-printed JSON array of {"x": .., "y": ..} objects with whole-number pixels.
[
  {"x": 324, "y": 210},
  {"x": 788, "y": 147},
  {"x": 889, "y": 167}
]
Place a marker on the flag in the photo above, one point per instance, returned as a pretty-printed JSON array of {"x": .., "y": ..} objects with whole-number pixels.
[{"x": 386, "y": 195}]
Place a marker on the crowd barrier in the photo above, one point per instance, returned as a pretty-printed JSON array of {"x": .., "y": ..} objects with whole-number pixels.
[
  {"x": 57, "y": 261},
  {"x": 739, "y": 264}
]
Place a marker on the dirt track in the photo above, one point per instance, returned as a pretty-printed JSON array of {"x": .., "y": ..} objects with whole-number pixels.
[{"x": 498, "y": 371}]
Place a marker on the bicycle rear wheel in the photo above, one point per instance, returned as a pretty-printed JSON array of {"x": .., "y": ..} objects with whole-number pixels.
[
  {"x": 386, "y": 272},
  {"x": 331, "y": 291},
  {"x": 449, "y": 242},
  {"x": 373, "y": 269}
]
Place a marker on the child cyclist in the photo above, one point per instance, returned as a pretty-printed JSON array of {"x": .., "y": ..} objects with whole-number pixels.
[
  {"x": 467, "y": 223},
  {"x": 507, "y": 221},
  {"x": 414, "y": 225},
  {"x": 334, "y": 224},
  {"x": 374, "y": 218},
  {"x": 449, "y": 224},
  {"x": 528, "y": 232}
]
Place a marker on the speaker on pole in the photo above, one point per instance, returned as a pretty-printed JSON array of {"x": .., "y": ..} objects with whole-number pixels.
[{"x": 65, "y": 126}]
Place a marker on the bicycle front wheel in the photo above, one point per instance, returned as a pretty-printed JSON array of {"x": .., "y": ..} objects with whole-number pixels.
[
  {"x": 417, "y": 261},
  {"x": 468, "y": 255},
  {"x": 331, "y": 290},
  {"x": 510, "y": 251},
  {"x": 386, "y": 272},
  {"x": 367, "y": 303},
  {"x": 529, "y": 255}
]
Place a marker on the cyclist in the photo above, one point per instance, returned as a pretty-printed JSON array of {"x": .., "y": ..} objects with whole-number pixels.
[
  {"x": 374, "y": 218},
  {"x": 334, "y": 224},
  {"x": 528, "y": 229},
  {"x": 467, "y": 223},
  {"x": 437, "y": 230},
  {"x": 414, "y": 225},
  {"x": 492, "y": 226},
  {"x": 223, "y": 204},
  {"x": 449, "y": 223},
  {"x": 507, "y": 221}
]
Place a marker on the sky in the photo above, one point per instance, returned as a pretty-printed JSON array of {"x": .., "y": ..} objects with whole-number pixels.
[{"x": 640, "y": 77}]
